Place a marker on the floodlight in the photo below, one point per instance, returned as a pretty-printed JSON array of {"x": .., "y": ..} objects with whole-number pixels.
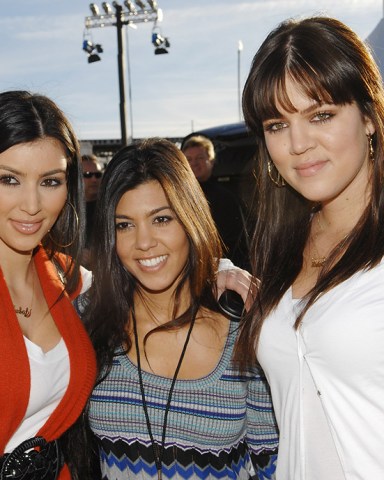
[
  {"x": 160, "y": 50},
  {"x": 161, "y": 43},
  {"x": 93, "y": 58},
  {"x": 140, "y": 4},
  {"x": 130, "y": 6},
  {"x": 94, "y": 9},
  {"x": 88, "y": 46},
  {"x": 152, "y": 4},
  {"x": 107, "y": 8},
  {"x": 157, "y": 39},
  {"x": 119, "y": 14}
]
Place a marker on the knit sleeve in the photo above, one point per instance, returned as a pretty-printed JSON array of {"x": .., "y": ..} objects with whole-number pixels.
[{"x": 262, "y": 431}]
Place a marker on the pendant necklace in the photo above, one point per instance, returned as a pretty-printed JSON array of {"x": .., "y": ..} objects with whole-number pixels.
[
  {"x": 158, "y": 450},
  {"x": 27, "y": 311},
  {"x": 319, "y": 261}
]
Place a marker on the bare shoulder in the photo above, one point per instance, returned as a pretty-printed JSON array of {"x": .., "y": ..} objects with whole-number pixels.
[{"x": 212, "y": 326}]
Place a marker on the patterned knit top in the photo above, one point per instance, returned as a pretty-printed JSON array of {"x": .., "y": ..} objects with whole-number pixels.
[{"x": 220, "y": 426}]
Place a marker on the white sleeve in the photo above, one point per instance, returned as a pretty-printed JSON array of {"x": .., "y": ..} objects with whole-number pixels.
[
  {"x": 225, "y": 264},
  {"x": 86, "y": 277}
]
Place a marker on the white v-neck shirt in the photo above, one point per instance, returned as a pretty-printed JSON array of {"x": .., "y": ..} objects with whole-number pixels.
[
  {"x": 49, "y": 373},
  {"x": 327, "y": 382},
  {"x": 49, "y": 381}
]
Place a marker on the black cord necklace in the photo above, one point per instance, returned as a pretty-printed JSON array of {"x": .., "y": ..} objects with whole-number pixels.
[{"x": 158, "y": 450}]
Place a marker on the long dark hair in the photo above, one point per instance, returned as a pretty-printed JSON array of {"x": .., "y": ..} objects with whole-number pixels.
[
  {"x": 110, "y": 299},
  {"x": 331, "y": 65},
  {"x": 26, "y": 117}
]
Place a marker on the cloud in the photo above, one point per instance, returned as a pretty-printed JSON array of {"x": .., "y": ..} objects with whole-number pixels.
[{"x": 194, "y": 86}]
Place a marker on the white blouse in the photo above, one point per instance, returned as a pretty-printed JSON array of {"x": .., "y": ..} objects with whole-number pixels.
[
  {"x": 327, "y": 381},
  {"x": 49, "y": 381}
]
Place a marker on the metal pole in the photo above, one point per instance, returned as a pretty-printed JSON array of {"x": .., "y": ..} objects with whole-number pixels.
[
  {"x": 121, "y": 67},
  {"x": 129, "y": 82},
  {"x": 119, "y": 20},
  {"x": 239, "y": 49}
]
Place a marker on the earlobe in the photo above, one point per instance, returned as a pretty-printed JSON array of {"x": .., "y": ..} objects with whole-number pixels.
[{"x": 370, "y": 127}]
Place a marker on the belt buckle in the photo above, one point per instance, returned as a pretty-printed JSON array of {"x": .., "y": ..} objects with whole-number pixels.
[{"x": 26, "y": 463}]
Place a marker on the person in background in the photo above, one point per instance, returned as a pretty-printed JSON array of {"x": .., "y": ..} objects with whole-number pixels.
[
  {"x": 92, "y": 173},
  {"x": 314, "y": 99},
  {"x": 48, "y": 364},
  {"x": 169, "y": 402},
  {"x": 225, "y": 208}
]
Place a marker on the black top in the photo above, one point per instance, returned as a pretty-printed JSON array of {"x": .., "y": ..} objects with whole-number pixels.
[{"x": 228, "y": 217}]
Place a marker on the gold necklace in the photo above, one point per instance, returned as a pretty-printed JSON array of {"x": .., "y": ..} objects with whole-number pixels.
[
  {"x": 27, "y": 311},
  {"x": 318, "y": 261}
]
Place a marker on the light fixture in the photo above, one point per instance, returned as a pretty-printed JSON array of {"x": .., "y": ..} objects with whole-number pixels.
[
  {"x": 93, "y": 58},
  {"x": 130, "y": 6},
  {"x": 152, "y": 4},
  {"x": 107, "y": 8},
  {"x": 157, "y": 39},
  {"x": 90, "y": 48},
  {"x": 159, "y": 13},
  {"x": 160, "y": 50},
  {"x": 140, "y": 4},
  {"x": 160, "y": 43},
  {"x": 94, "y": 9},
  {"x": 111, "y": 14}
]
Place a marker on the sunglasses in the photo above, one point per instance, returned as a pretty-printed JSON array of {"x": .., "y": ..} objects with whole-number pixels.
[{"x": 92, "y": 174}]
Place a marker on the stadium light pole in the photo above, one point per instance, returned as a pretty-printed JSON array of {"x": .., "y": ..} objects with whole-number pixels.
[
  {"x": 239, "y": 50},
  {"x": 143, "y": 13}
]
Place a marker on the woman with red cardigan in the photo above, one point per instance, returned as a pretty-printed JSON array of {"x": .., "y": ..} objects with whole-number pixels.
[{"x": 48, "y": 364}]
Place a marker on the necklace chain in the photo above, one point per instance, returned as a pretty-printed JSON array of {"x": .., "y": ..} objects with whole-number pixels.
[
  {"x": 158, "y": 450},
  {"x": 27, "y": 311},
  {"x": 318, "y": 261}
]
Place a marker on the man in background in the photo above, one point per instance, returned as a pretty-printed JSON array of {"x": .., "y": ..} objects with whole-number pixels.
[
  {"x": 225, "y": 208},
  {"x": 92, "y": 173}
]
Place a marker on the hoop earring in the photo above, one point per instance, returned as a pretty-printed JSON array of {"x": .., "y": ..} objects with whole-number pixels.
[
  {"x": 279, "y": 180},
  {"x": 371, "y": 150},
  {"x": 76, "y": 233}
]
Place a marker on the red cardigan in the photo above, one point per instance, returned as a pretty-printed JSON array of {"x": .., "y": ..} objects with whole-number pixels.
[{"x": 15, "y": 371}]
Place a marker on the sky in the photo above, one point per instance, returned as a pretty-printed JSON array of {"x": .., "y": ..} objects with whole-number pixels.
[{"x": 194, "y": 86}]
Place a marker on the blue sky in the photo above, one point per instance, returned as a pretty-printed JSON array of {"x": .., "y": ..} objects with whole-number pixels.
[{"x": 195, "y": 86}]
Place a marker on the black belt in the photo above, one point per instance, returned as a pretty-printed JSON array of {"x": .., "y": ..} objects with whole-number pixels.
[{"x": 27, "y": 463}]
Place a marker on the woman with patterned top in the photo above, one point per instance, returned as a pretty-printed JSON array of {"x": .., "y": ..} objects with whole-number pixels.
[{"x": 169, "y": 402}]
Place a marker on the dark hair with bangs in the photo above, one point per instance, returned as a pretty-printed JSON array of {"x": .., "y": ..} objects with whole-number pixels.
[
  {"x": 111, "y": 296},
  {"x": 324, "y": 56},
  {"x": 27, "y": 117},
  {"x": 331, "y": 64}
]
